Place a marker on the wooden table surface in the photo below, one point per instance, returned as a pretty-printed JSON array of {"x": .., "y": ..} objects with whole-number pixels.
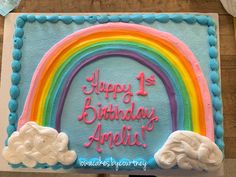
[{"x": 227, "y": 41}]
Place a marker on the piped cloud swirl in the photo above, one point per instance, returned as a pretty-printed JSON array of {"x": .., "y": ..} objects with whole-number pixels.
[
  {"x": 189, "y": 150},
  {"x": 34, "y": 144}
]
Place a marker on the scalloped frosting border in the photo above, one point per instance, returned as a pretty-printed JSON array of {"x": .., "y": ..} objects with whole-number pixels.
[{"x": 204, "y": 20}]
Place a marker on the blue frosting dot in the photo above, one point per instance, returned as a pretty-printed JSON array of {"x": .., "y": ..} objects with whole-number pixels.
[
  {"x": 214, "y": 76},
  {"x": 114, "y": 18},
  {"x": 18, "y": 42},
  {"x": 77, "y": 164},
  {"x": 66, "y": 19},
  {"x": 16, "y": 54},
  {"x": 219, "y": 131},
  {"x": 41, "y": 18},
  {"x": 152, "y": 163},
  {"x": 217, "y": 103},
  {"x": 124, "y": 18},
  {"x": 218, "y": 117},
  {"x": 212, "y": 40},
  {"x": 14, "y": 91},
  {"x": 15, "y": 78},
  {"x": 177, "y": 18},
  {"x": 56, "y": 167},
  {"x": 23, "y": 16},
  {"x": 190, "y": 19},
  {"x": 220, "y": 144},
  {"x": 44, "y": 165},
  {"x": 13, "y": 117},
  {"x": 19, "y": 165},
  {"x": 149, "y": 18},
  {"x": 31, "y": 18},
  {"x": 215, "y": 89},
  {"x": 214, "y": 65},
  {"x": 19, "y": 32},
  {"x": 91, "y": 19},
  {"x": 10, "y": 129},
  {"x": 163, "y": 18},
  {"x": 53, "y": 18},
  {"x": 20, "y": 22},
  {"x": 211, "y": 30},
  {"x": 79, "y": 19},
  {"x": 136, "y": 18},
  {"x": 12, "y": 105},
  {"x": 16, "y": 66},
  {"x": 202, "y": 20},
  {"x": 213, "y": 52},
  {"x": 102, "y": 18},
  {"x": 210, "y": 21}
]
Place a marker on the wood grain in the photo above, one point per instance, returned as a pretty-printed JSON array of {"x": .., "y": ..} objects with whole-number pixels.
[
  {"x": 226, "y": 24},
  {"x": 121, "y": 6},
  {"x": 227, "y": 42}
]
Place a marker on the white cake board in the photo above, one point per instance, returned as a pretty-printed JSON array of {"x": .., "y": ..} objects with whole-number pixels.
[{"x": 4, "y": 111}]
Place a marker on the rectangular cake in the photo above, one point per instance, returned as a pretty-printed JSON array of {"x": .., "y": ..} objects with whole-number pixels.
[{"x": 115, "y": 92}]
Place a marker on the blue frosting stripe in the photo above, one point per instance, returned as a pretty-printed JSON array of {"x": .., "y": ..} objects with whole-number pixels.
[
  {"x": 149, "y": 55},
  {"x": 135, "y": 18}
]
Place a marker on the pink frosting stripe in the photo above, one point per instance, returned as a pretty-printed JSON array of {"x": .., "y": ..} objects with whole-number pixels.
[{"x": 69, "y": 40}]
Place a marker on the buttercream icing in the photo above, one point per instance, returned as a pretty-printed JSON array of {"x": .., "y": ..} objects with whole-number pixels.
[
  {"x": 189, "y": 150},
  {"x": 34, "y": 144},
  {"x": 163, "y": 18}
]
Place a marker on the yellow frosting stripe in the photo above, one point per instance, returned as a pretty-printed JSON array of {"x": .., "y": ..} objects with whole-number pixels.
[{"x": 189, "y": 83}]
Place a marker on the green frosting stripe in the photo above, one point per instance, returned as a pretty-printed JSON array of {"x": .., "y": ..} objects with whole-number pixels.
[{"x": 151, "y": 54}]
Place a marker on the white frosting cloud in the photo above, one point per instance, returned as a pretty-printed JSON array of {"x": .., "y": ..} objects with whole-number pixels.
[
  {"x": 34, "y": 144},
  {"x": 189, "y": 150}
]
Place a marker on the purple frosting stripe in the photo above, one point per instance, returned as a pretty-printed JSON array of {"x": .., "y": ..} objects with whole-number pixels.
[{"x": 130, "y": 55}]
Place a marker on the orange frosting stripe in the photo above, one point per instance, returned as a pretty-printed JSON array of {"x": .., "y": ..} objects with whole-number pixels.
[{"x": 117, "y": 31}]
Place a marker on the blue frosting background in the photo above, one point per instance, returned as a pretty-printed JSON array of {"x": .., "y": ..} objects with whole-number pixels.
[{"x": 39, "y": 38}]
